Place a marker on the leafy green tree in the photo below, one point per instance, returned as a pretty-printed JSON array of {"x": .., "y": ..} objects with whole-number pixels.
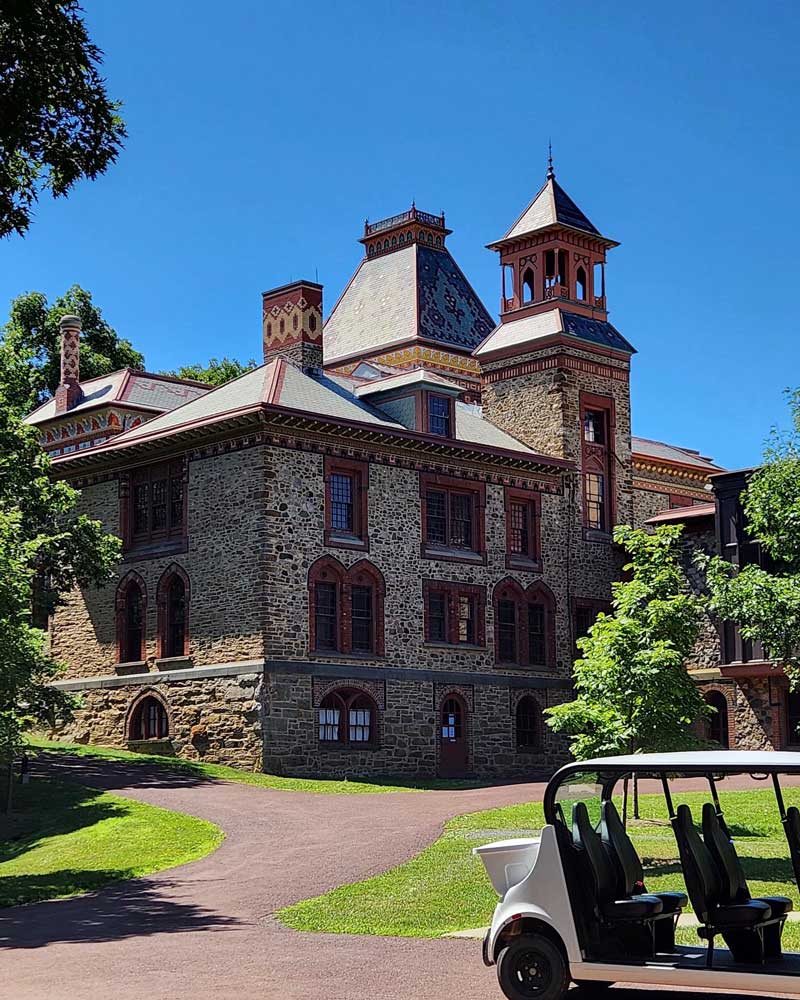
[
  {"x": 218, "y": 371},
  {"x": 764, "y": 600},
  {"x": 30, "y": 350},
  {"x": 632, "y": 689},
  {"x": 57, "y": 124},
  {"x": 46, "y": 549}
]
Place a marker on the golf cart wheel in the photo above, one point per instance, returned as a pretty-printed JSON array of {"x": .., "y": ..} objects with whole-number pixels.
[{"x": 532, "y": 967}]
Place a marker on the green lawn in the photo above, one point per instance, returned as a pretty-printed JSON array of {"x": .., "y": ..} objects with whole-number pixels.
[
  {"x": 63, "y": 839},
  {"x": 219, "y": 772},
  {"x": 446, "y": 889}
]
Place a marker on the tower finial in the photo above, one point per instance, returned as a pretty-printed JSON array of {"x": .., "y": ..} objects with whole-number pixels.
[{"x": 550, "y": 172}]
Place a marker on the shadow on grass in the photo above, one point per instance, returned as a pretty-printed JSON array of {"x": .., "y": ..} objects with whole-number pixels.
[
  {"x": 129, "y": 909},
  {"x": 755, "y": 869},
  {"x": 108, "y": 773}
]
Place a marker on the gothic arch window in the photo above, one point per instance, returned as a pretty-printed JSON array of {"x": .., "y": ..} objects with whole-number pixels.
[
  {"x": 346, "y": 608},
  {"x": 524, "y": 625},
  {"x": 438, "y": 241},
  {"x": 131, "y": 603},
  {"x": 394, "y": 241},
  {"x": 385, "y": 244},
  {"x": 401, "y": 239},
  {"x": 529, "y": 723},
  {"x": 580, "y": 284},
  {"x": 717, "y": 724},
  {"x": 348, "y": 716},
  {"x": 148, "y": 719},
  {"x": 173, "y": 613},
  {"x": 527, "y": 285}
]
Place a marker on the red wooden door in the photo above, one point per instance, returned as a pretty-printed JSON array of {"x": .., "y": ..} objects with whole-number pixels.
[{"x": 453, "y": 744}]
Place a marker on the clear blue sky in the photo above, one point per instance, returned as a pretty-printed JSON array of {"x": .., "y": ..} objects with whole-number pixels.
[{"x": 262, "y": 134}]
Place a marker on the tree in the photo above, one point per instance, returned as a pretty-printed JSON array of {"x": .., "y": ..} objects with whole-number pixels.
[
  {"x": 46, "y": 549},
  {"x": 216, "y": 372},
  {"x": 764, "y": 600},
  {"x": 632, "y": 690},
  {"x": 30, "y": 351},
  {"x": 57, "y": 124}
]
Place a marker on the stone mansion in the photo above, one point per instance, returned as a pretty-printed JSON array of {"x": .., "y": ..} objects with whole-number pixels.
[{"x": 373, "y": 553}]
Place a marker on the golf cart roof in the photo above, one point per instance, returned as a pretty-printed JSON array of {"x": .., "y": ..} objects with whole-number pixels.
[{"x": 694, "y": 762}]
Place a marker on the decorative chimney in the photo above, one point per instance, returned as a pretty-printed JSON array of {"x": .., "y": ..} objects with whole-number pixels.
[
  {"x": 69, "y": 390},
  {"x": 292, "y": 324}
]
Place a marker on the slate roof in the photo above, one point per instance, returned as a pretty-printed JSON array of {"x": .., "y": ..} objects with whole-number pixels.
[
  {"x": 659, "y": 451},
  {"x": 554, "y": 322},
  {"x": 417, "y": 377},
  {"x": 551, "y": 206},
  {"x": 142, "y": 390},
  {"x": 399, "y": 297}
]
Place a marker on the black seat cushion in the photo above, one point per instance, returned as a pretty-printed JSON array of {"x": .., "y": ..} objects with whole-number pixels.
[
  {"x": 635, "y": 908},
  {"x": 740, "y": 914},
  {"x": 671, "y": 901},
  {"x": 780, "y": 905}
]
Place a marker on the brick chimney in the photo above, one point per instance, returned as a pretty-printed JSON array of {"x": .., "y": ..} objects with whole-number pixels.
[
  {"x": 69, "y": 390},
  {"x": 292, "y": 324}
]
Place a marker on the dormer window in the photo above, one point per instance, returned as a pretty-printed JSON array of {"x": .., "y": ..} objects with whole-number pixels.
[{"x": 440, "y": 415}]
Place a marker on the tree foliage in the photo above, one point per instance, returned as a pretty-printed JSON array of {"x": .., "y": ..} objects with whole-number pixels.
[
  {"x": 217, "y": 372},
  {"x": 57, "y": 124},
  {"x": 764, "y": 600},
  {"x": 632, "y": 690},
  {"x": 46, "y": 549},
  {"x": 30, "y": 350}
]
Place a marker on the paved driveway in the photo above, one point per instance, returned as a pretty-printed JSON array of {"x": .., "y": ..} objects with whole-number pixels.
[{"x": 206, "y": 929}]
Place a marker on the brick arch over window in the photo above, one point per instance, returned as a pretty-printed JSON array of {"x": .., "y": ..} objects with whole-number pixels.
[
  {"x": 348, "y": 716},
  {"x": 524, "y": 624},
  {"x": 130, "y": 606},
  {"x": 173, "y": 600},
  {"x": 346, "y": 607},
  {"x": 528, "y": 724},
  {"x": 717, "y": 726},
  {"x": 148, "y": 717}
]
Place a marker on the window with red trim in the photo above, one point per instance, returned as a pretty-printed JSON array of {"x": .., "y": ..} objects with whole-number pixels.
[
  {"x": 440, "y": 415},
  {"x": 173, "y": 613},
  {"x": 455, "y": 613},
  {"x": 597, "y": 413},
  {"x": 452, "y": 517},
  {"x": 154, "y": 511},
  {"x": 524, "y": 625},
  {"x": 346, "y": 608},
  {"x": 149, "y": 720},
  {"x": 130, "y": 620},
  {"x": 522, "y": 528},
  {"x": 346, "y": 503},
  {"x": 348, "y": 717}
]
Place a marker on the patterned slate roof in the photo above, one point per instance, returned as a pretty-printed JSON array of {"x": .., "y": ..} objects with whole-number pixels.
[
  {"x": 551, "y": 206},
  {"x": 659, "y": 450},
  {"x": 412, "y": 293},
  {"x": 156, "y": 392},
  {"x": 531, "y": 328}
]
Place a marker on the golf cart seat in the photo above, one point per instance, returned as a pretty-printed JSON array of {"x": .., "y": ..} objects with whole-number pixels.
[
  {"x": 611, "y": 906},
  {"x": 628, "y": 864},
  {"x": 734, "y": 883},
  {"x": 741, "y": 924}
]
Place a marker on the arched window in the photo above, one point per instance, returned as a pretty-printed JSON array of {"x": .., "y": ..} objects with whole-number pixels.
[
  {"x": 173, "y": 613},
  {"x": 348, "y": 716},
  {"x": 529, "y": 723},
  {"x": 563, "y": 269},
  {"x": 718, "y": 721},
  {"x": 148, "y": 720},
  {"x": 130, "y": 618},
  {"x": 580, "y": 284},
  {"x": 524, "y": 625},
  {"x": 346, "y": 607},
  {"x": 527, "y": 285}
]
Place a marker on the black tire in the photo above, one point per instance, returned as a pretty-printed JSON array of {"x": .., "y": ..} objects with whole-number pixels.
[{"x": 532, "y": 967}]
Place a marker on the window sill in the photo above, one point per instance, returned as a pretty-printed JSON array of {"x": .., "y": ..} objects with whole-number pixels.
[
  {"x": 468, "y": 647},
  {"x": 593, "y": 535},
  {"x": 538, "y": 751},
  {"x": 334, "y": 654},
  {"x": 446, "y": 554},
  {"x": 336, "y": 541},
  {"x": 173, "y": 662},
  {"x": 521, "y": 563},
  {"x": 530, "y": 668},
  {"x": 326, "y": 746},
  {"x": 131, "y": 667},
  {"x": 158, "y": 746},
  {"x": 136, "y": 552}
]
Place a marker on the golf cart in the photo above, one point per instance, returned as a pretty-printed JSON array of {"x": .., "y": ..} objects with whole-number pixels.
[{"x": 574, "y": 905}]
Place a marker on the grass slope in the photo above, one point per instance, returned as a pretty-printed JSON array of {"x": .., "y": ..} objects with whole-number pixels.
[
  {"x": 64, "y": 839},
  {"x": 446, "y": 889},
  {"x": 219, "y": 772}
]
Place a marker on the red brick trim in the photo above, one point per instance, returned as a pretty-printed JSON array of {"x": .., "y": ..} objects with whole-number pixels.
[
  {"x": 450, "y": 485},
  {"x": 727, "y": 692},
  {"x": 553, "y": 361},
  {"x": 162, "y": 592},
  {"x": 537, "y": 593},
  {"x": 344, "y": 695},
  {"x": 590, "y": 462},
  {"x": 327, "y": 569},
  {"x": 532, "y": 559},
  {"x": 359, "y": 473},
  {"x": 134, "y": 705},
  {"x": 452, "y": 592},
  {"x": 120, "y": 602}
]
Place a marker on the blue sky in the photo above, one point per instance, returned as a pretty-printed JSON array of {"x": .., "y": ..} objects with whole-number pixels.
[{"x": 262, "y": 134}]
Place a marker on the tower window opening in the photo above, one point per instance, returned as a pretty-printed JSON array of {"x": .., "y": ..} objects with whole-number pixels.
[
  {"x": 549, "y": 268},
  {"x": 527, "y": 285},
  {"x": 580, "y": 284},
  {"x": 599, "y": 281},
  {"x": 563, "y": 275}
]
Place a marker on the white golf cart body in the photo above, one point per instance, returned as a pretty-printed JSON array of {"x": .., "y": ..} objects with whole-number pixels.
[{"x": 528, "y": 875}]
